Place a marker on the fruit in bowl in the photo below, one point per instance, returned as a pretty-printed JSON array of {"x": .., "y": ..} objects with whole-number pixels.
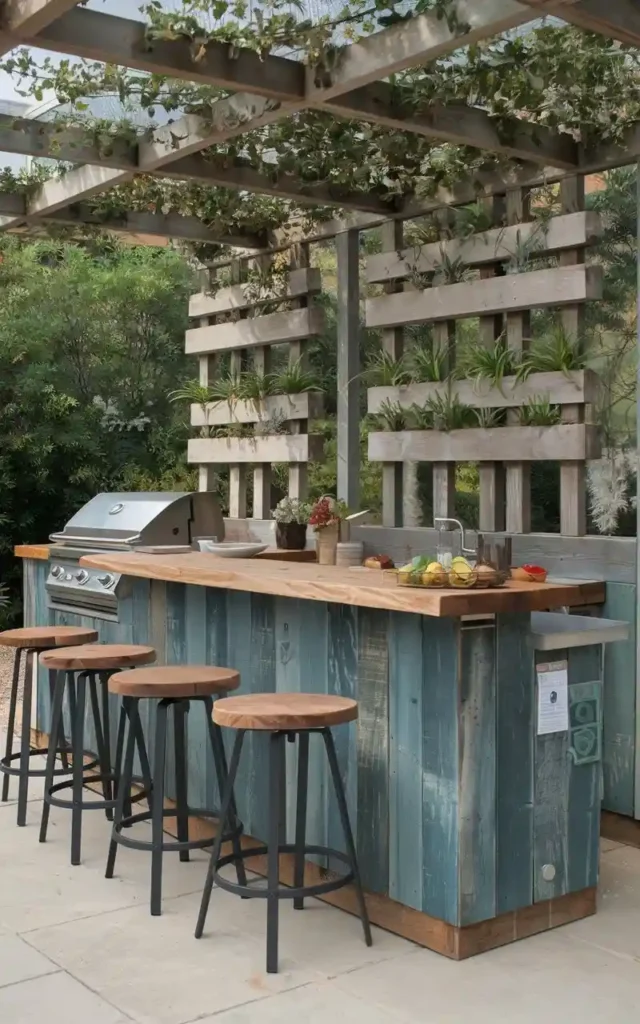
[
  {"x": 461, "y": 574},
  {"x": 529, "y": 574}
]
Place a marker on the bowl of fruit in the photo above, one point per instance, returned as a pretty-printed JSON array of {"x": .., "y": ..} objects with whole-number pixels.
[{"x": 423, "y": 571}]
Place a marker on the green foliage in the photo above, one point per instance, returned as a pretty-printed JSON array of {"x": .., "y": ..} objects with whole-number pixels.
[
  {"x": 429, "y": 362},
  {"x": 538, "y": 412},
  {"x": 89, "y": 347},
  {"x": 382, "y": 370},
  {"x": 557, "y": 351},
  {"x": 490, "y": 365}
]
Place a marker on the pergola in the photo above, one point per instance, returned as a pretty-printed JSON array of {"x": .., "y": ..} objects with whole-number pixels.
[{"x": 266, "y": 88}]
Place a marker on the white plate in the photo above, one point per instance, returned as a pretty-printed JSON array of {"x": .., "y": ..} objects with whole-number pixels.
[{"x": 232, "y": 550}]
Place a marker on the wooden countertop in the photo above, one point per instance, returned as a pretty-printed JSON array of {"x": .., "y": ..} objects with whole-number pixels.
[
  {"x": 365, "y": 588},
  {"x": 37, "y": 551},
  {"x": 41, "y": 552}
]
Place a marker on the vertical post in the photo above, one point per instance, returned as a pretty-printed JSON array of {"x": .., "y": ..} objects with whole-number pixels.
[
  {"x": 207, "y": 368},
  {"x": 237, "y": 473},
  {"x": 637, "y": 789},
  {"x": 492, "y": 498},
  {"x": 392, "y": 343},
  {"x": 262, "y": 473},
  {"x": 518, "y": 474},
  {"x": 444, "y": 473},
  {"x": 299, "y": 472},
  {"x": 348, "y": 253},
  {"x": 573, "y": 484}
]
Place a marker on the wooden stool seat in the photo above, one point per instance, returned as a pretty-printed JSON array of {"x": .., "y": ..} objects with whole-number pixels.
[
  {"x": 284, "y": 711},
  {"x": 175, "y": 681},
  {"x": 47, "y": 636},
  {"x": 97, "y": 657}
]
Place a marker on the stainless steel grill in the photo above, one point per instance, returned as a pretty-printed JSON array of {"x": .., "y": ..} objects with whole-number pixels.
[{"x": 162, "y": 521}]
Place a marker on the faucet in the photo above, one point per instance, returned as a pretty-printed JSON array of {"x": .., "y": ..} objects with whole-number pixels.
[{"x": 440, "y": 519}]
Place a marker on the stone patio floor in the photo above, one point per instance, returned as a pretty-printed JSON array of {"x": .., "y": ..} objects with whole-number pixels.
[{"x": 78, "y": 949}]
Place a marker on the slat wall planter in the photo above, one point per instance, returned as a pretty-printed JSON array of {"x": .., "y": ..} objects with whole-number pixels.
[
  {"x": 577, "y": 388},
  {"x": 500, "y": 294},
  {"x": 512, "y": 444},
  {"x": 281, "y": 422},
  {"x": 560, "y": 286}
]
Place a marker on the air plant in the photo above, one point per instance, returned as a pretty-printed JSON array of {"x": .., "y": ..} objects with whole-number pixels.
[
  {"x": 557, "y": 352},
  {"x": 491, "y": 364},
  {"x": 191, "y": 391},
  {"x": 539, "y": 412},
  {"x": 391, "y": 416},
  {"x": 449, "y": 413},
  {"x": 489, "y": 418},
  {"x": 294, "y": 379},
  {"x": 385, "y": 371},
  {"x": 5, "y": 600},
  {"x": 429, "y": 362}
]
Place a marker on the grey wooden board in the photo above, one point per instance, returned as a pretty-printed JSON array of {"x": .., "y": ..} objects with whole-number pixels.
[
  {"x": 619, "y": 702},
  {"x": 552, "y": 771},
  {"x": 342, "y": 680},
  {"x": 571, "y": 441},
  {"x": 515, "y": 726},
  {"x": 477, "y": 785},
  {"x": 440, "y": 768},
  {"x": 288, "y": 680},
  {"x": 372, "y": 738},
  {"x": 553, "y": 631},
  {"x": 583, "y": 828},
  {"x": 272, "y": 448}
]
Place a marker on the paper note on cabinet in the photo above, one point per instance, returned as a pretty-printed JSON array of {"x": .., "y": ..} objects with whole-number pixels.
[{"x": 553, "y": 698}]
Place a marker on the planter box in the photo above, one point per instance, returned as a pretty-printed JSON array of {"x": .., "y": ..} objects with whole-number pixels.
[
  {"x": 570, "y": 231},
  {"x": 579, "y": 388},
  {"x": 272, "y": 329},
  {"x": 306, "y": 406},
  {"x": 566, "y": 442},
  {"x": 305, "y": 281},
  {"x": 560, "y": 286},
  {"x": 272, "y": 448}
]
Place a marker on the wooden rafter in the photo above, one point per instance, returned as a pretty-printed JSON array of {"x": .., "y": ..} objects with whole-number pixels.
[
  {"x": 22, "y": 19},
  {"x": 616, "y": 19}
]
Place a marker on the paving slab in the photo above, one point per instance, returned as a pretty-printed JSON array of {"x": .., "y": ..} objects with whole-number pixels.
[
  {"x": 20, "y": 962},
  {"x": 55, "y": 999},
  {"x": 312, "y": 1004}
]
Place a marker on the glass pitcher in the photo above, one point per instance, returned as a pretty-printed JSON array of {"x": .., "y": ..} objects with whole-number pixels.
[{"x": 450, "y": 543}]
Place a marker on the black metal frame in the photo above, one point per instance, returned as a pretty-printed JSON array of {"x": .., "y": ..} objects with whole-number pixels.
[
  {"x": 75, "y": 683},
  {"x": 24, "y": 771},
  {"x": 274, "y": 892},
  {"x": 157, "y": 811}
]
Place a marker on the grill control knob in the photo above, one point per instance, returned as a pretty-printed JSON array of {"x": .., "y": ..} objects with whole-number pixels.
[
  {"x": 107, "y": 580},
  {"x": 82, "y": 576},
  {"x": 67, "y": 577},
  {"x": 56, "y": 571}
]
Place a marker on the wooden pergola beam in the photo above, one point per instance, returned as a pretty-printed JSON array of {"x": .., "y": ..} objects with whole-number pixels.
[
  {"x": 24, "y": 18},
  {"x": 616, "y": 19},
  {"x": 170, "y": 225}
]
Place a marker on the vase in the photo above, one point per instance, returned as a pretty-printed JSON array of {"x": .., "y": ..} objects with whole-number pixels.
[
  {"x": 327, "y": 543},
  {"x": 291, "y": 536}
]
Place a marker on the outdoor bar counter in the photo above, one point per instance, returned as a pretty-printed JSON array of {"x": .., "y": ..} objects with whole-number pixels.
[{"x": 473, "y": 829}]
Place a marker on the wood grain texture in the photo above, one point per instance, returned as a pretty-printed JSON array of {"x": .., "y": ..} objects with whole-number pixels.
[
  {"x": 37, "y": 551},
  {"x": 478, "y": 773},
  {"x": 372, "y": 742},
  {"x": 440, "y": 769},
  {"x": 527, "y": 444},
  {"x": 273, "y": 448},
  {"x": 98, "y": 656},
  {"x": 582, "y": 386},
  {"x": 224, "y": 300},
  {"x": 538, "y": 289},
  {"x": 583, "y": 839},
  {"x": 515, "y": 728},
  {"x": 276, "y": 407},
  {"x": 569, "y": 231},
  {"x": 271, "y": 329},
  {"x": 283, "y": 711},
  {"x": 620, "y": 712},
  {"x": 47, "y": 636},
  {"x": 342, "y": 683},
  {"x": 552, "y": 770},
  {"x": 175, "y": 681},
  {"x": 339, "y": 586}
]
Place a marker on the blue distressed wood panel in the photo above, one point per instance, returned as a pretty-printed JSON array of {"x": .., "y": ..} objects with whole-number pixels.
[
  {"x": 216, "y": 654},
  {"x": 262, "y": 680},
  {"x": 199, "y": 753},
  {"x": 314, "y": 678},
  {"x": 551, "y": 805},
  {"x": 405, "y": 759},
  {"x": 372, "y": 744},
  {"x": 477, "y": 784},
  {"x": 440, "y": 764},
  {"x": 239, "y": 656},
  {"x": 289, "y": 680},
  {"x": 343, "y": 681},
  {"x": 515, "y": 731},
  {"x": 620, "y": 711},
  {"x": 176, "y": 654},
  {"x": 585, "y": 666}
]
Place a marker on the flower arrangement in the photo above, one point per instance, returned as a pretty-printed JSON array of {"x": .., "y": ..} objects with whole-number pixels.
[
  {"x": 327, "y": 511},
  {"x": 292, "y": 510}
]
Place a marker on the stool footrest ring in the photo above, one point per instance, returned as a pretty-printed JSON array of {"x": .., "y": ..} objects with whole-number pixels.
[
  {"x": 88, "y": 805},
  {"x": 284, "y": 892},
  {"x": 38, "y": 773},
  {"x": 172, "y": 846}
]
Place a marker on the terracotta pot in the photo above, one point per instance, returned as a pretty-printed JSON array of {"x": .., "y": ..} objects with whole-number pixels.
[
  {"x": 327, "y": 543},
  {"x": 291, "y": 536}
]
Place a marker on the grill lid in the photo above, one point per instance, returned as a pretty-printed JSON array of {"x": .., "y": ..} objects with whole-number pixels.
[{"x": 130, "y": 519}]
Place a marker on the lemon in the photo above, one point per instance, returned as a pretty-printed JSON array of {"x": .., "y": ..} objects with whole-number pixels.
[
  {"x": 463, "y": 579},
  {"x": 435, "y": 567}
]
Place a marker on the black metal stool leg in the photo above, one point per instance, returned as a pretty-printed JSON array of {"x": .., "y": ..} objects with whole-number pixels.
[
  {"x": 124, "y": 770},
  {"x": 276, "y": 757},
  {"x": 60, "y": 741},
  {"x": 301, "y": 816},
  {"x": 134, "y": 718},
  {"x": 348, "y": 835},
  {"x": 13, "y": 703},
  {"x": 222, "y": 773},
  {"x": 106, "y": 724},
  {"x": 25, "y": 740},
  {"x": 104, "y": 760},
  {"x": 180, "y": 710},
  {"x": 225, "y": 806},
  {"x": 158, "y": 808},
  {"x": 77, "y": 731},
  {"x": 55, "y": 728}
]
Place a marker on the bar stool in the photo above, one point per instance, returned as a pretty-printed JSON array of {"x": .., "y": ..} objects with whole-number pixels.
[
  {"x": 176, "y": 687},
  {"x": 285, "y": 716},
  {"x": 75, "y": 667},
  {"x": 28, "y": 641}
]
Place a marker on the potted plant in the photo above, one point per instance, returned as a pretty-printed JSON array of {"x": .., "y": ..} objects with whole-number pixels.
[
  {"x": 326, "y": 516},
  {"x": 291, "y": 517}
]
